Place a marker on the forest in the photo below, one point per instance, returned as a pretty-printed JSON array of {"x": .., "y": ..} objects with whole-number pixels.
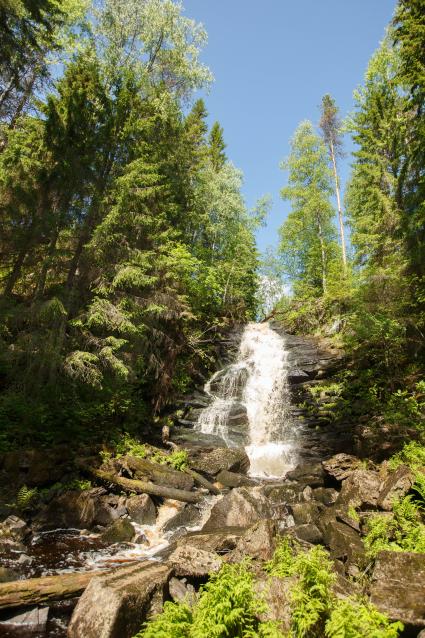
[{"x": 129, "y": 277}]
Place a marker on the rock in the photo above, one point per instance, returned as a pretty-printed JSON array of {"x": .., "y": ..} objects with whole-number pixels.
[
  {"x": 104, "y": 514},
  {"x": 304, "y": 513},
  {"x": 31, "y": 621},
  {"x": 307, "y": 533},
  {"x": 189, "y": 516},
  {"x": 194, "y": 562},
  {"x": 220, "y": 541},
  {"x": 242, "y": 507},
  {"x": 141, "y": 509},
  {"x": 14, "y": 528},
  {"x": 232, "y": 479},
  {"x": 311, "y": 474},
  {"x": 360, "y": 489},
  {"x": 285, "y": 493},
  {"x": 326, "y": 495},
  {"x": 341, "y": 466},
  {"x": 258, "y": 542},
  {"x": 396, "y": 486},
  {"x": 398, "y": 586},
  {"x": 276, "y": 593},
  {"x": 7, "y": 575},
  {"x": 71, "y": 509},
  {"x": 24, "y": 559},
  {"x": 214, "y": 461},
  {"x": 116, "y": 604},
  {"x": 344, "y": 543},
  {"x": 180, "y": 591},
  {"x": 121, "y": 531},
  {"x": 296, "y": 375},
  {"x": 45, "y": 468}
]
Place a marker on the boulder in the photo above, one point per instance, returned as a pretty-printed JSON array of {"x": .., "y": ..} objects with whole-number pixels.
[
  {"x": 242, "y": 507},
  {"x": 396, "y": 486},
  {"x": 398, "y": 586},
  {"x": 233, "y": 479},
  {"x": 14, "y": 528},
  {"x": 311, "y": 474},
  {"x": 141, "y": 509},
  {"x": 304, "y": 513},
  {"x": 258, "y": 542},
  {"x": 31, "y": 621},
  {"x": 344, "y": 543},
  {"x": 286, "y": 493},
  {"x": 307, "y": 533},
  {"x": 121, "y": 531},
  {"x": 213, "y": 461},
  {"x": 276, "y": 593},
  {"x": 341, "y": 466},
  {"x": 189, "y": 516},
  {"x": 296, "y": 375},
  {"x": 192, "y": 561},
  {"x": 220, "y": 541},
  {"x": 326, "y": 495},
  {"x": 360, "y": 490},
  {"x": 71, "y": 509},
  {"x": 181, "y": 591},
  {"x": 116, "y": 604}
]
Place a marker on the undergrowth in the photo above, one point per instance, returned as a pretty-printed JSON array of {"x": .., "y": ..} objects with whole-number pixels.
[{"x": 402, "y": 530}]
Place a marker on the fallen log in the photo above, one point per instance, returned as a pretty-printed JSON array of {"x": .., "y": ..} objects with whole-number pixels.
[
  {"x": 198, "y": 478},
  {"x": 145, "y": 470},
  {"x": 146, "y": 487},
  {"x": 43, "y": 590}
]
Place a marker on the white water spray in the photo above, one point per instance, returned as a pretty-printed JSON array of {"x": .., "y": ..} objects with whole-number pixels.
[{"x": 257, "y": 385}]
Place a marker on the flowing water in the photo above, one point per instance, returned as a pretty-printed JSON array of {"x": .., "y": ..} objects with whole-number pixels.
[{"x": 255, "y": 387}]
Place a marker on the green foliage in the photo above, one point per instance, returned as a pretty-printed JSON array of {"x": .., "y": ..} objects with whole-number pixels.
[
  {"x": 351, "y": 618},
  {"x": 129, "y": 445},
  {"x": 226, "y": 606},
  {"x": 403, "y": 530},
  {"x": 26, "y": 497},
  {"x": 179, "y": 460},
  {"x": 412, "y": 454}
]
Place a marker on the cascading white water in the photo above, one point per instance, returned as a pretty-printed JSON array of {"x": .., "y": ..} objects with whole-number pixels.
[{"x": 257, "y": 383}]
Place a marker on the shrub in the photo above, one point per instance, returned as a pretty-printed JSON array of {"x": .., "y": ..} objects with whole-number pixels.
[{"x": 352, "y": 618}]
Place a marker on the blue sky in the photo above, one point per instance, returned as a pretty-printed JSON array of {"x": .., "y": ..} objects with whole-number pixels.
[{"x": 273, "y": 61}]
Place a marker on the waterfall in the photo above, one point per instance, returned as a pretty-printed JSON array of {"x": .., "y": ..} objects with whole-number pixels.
[{"x": 250, "y": 402}]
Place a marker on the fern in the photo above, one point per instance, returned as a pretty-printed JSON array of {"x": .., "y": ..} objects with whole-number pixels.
[
  {"x": 352, "y": 618},
  {"x": 26, "y": 497}
]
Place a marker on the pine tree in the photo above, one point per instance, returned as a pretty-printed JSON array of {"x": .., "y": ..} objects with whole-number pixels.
[{"x": 217, "y": 146}]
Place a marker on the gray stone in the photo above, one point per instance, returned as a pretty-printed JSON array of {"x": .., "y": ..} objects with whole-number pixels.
[
  {"x": 214, "y": 461},
  {"x": 341, "y": 466},
  {"x": 181, "y": 591},
  {"x": 398, "y": 587},
  {"x": 221, "y": 541},
  {"x": 189, "y": 516},
  {"x": 194, "y": 562},
  {"x": 311, "y": 474},
  {"x": 116, "y": 604},
  {"x": 258, "y": 542},
  {"x": 304, "y": 513},
  {"x": 360, "y": 489},
  {"x": 396, "y": 486},
  {"x": 242, "y": 507},
  {"x": 232, "y": 479},
  {"x": 326, "y": 495},
  {"x": 307, "y": 533},
  {"x": 345, "y": 543},
  {"x": 141, "y": 509},
  {"x": 14, "y": 528},
  {"x": 31, "y": 621},
  {"x": 121, "y": 531},
  {"x": 276, "y": 593}
]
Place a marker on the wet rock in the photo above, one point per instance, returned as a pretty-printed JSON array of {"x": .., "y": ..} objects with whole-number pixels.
[
  {"x": 242, "y": 507},
  {"x": 31, "y": 621},
  {"x": 14, "y": 528},
  {"x": 181, "y": 591},
  {"x": 121, "y": 531},
  {"x": 326, "y": 495},
  {"x": 71, "y": 509},
  {"x": 276, "y": 592},
  {"x": 396, "y": 486},
  {"x": 258, "y": 542},
  {"x": 24, "y": 559},
  {"x": 141, "y": 509},
  {"x": 214, "y": 461},
  {"x": 159, "y": 474},
  {"x": 360, "y": 489},
  {"x": 341, "y": 466},
  {"x": 192, "y": 561},
  {"x": 105, "y": 514},
  {"x": 311, "y": 474},
  {"x": 307, "y": 533},
  {"x": 232, "y": 479},
  {"x": 398, "y": 586},
  {"x": 296, "y": 375},
  {"x": 304, "y": 513},
  {"x": 189, "y": 516},
  {"x": 285, "y": 493},
  {"x": 116, "y": 604}
]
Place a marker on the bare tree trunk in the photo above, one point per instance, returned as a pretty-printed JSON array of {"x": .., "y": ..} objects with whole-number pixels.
[
  {"x": 323, "y": 253},
  {"x": 16, "y": 270},
  {"x": 46, "y": 265},
  {"x": 338, "y": 200}
]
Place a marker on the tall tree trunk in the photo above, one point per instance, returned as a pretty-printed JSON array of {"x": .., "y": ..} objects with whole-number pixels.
[
  {"x": 338, "y": 201},
  {"x": 16, "y": 270},
  {"x": 323, "y": 254}
]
